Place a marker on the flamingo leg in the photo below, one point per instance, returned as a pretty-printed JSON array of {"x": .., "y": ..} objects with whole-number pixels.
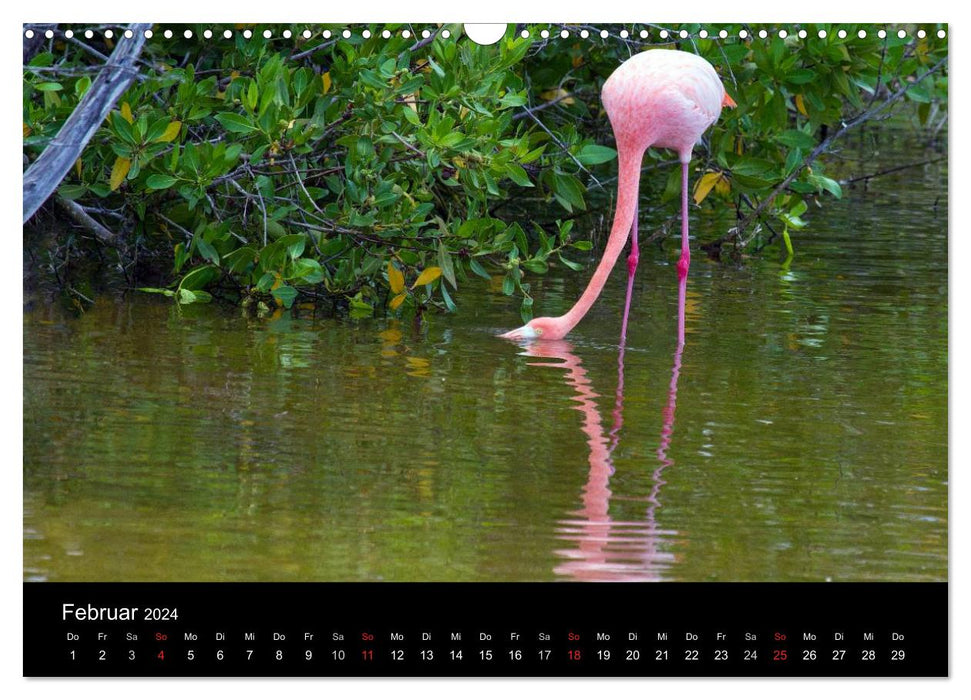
[
  {"x": 631, "y": 269},
  {"x": 685, "y": 260}
]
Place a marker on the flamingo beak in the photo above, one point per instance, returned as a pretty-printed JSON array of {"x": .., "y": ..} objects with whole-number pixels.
[
  {"x": 522, "y": 333},
  {"x": 727, "y": 101}
]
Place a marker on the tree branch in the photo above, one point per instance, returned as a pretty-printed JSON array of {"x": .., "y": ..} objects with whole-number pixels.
[
  {"x": 46, "y": 173},
  {"x": 83, "y": 219}
]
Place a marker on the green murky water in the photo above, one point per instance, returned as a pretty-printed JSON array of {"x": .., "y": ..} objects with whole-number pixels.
[{"x": 803, "y": 438}]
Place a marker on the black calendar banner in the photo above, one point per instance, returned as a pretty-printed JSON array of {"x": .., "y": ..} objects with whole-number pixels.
[{"x": 437, "y": 629}]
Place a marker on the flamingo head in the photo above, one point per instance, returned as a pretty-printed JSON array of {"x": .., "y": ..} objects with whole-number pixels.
[{"x": 544, "y": 328}]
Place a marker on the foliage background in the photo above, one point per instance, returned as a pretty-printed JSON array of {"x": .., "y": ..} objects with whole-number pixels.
[{"x": 379, "y": 174}]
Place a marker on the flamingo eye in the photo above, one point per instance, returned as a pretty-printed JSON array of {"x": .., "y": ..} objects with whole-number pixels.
[{"x": 539, "y": 331}]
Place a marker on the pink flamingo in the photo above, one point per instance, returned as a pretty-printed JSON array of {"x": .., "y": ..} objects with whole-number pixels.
[{"x": 657, "y": 98}]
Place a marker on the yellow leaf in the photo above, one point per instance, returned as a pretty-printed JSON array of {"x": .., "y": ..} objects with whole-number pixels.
[
  {"x": 118, "y": 172},
  {"x": 558, "y": 94},
  {"x": 428, "y": 276},
  {"x": 801, "y": 106},
  {"x": 704, "y": 185},
  {"x": 171, "y": 131},
  {"x": 126, "y": 112},
  {"x": 398, "y": 300},
  {"x": 410, "y": 101},
  {"x": 723, "y": 186},
  {"x": 396, "y": 280},
  {"x": 277, "y": 283},
  {"x": 26, "y": 130},
  {"x": 233, "y": 75},
  {"x": 325, "y": 79},
  {"x": 77, "y": 168}
]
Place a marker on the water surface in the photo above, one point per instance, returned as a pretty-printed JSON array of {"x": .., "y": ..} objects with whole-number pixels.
[{"x": 800, "y": 434}]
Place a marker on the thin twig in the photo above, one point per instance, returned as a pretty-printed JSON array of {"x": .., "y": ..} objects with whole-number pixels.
[
  {"x": 77, "y": 293},
  {"x": 424, "y": 42},
  {"x": 546, "y": 105},
  {"x": 888, "y": 171},
  {"x": 562, "y": 146},
  {"x": 185, "y": 232},
  {"x": 94, "y": 52},
  {"x": 318, "y": 47},
  {"x": 408, "y": 145}
]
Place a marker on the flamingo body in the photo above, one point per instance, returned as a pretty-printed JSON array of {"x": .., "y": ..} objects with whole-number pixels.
[{"x": 658, "y": 98}]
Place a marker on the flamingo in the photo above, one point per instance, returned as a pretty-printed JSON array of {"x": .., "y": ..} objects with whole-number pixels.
[{"x": 660, "y": 98}]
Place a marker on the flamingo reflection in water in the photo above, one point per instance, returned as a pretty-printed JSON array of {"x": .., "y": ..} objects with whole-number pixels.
[{"x": 608, "y": 549}]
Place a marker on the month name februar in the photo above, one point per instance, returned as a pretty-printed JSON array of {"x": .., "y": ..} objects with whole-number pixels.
[{"x": 82, "y": 613}]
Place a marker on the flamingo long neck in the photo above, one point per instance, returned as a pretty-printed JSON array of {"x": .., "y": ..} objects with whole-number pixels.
[{"x": 629, "y": 164}]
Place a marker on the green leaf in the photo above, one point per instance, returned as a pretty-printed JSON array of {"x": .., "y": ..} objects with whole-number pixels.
[
  {"x": 477, "y": 268},
  {"x": 72, "y": 192},
  {"x": 48, "y": 87},
  {"x": 241, "y": 258},
  {"x": 445, "y": 261},
  {"x": 122, "y": 128},
  {"x": 206, "y": 250},
  {"x": 236, "y": 123},
  {"x": 371, "y": 79},
  {"x": 411, "y": 115},
  {"x": 308, "y": 270},
  {"x": 360, "y": 308},
  {"x": 285, "y": 294},
  {"x": 266, "y": 281},
  {"x": 449, "y": 304},
  {"x": 827, "y": 184},
  {"x": 800, "y": 76},
  {"x": 594, "y": 154},
  {"x": 508, "y": 284},
  {"x": 293, "y": 242},
  {"x": 199, "y": 277},
  {"x": 570, "y": 263},
  {"x": 793, "y": 160},
  {"x": 252, "y": 96},
  {"x": 568, "y": 191},
  {"x": 160, "y": 182},
  {"x": 796, "y": 139},
  {"x": 156, "y": 290},
  {"x": 518, "y": 175},
  {"x": 919, "y": 93},
  {"x": 81, "y": 86}
]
